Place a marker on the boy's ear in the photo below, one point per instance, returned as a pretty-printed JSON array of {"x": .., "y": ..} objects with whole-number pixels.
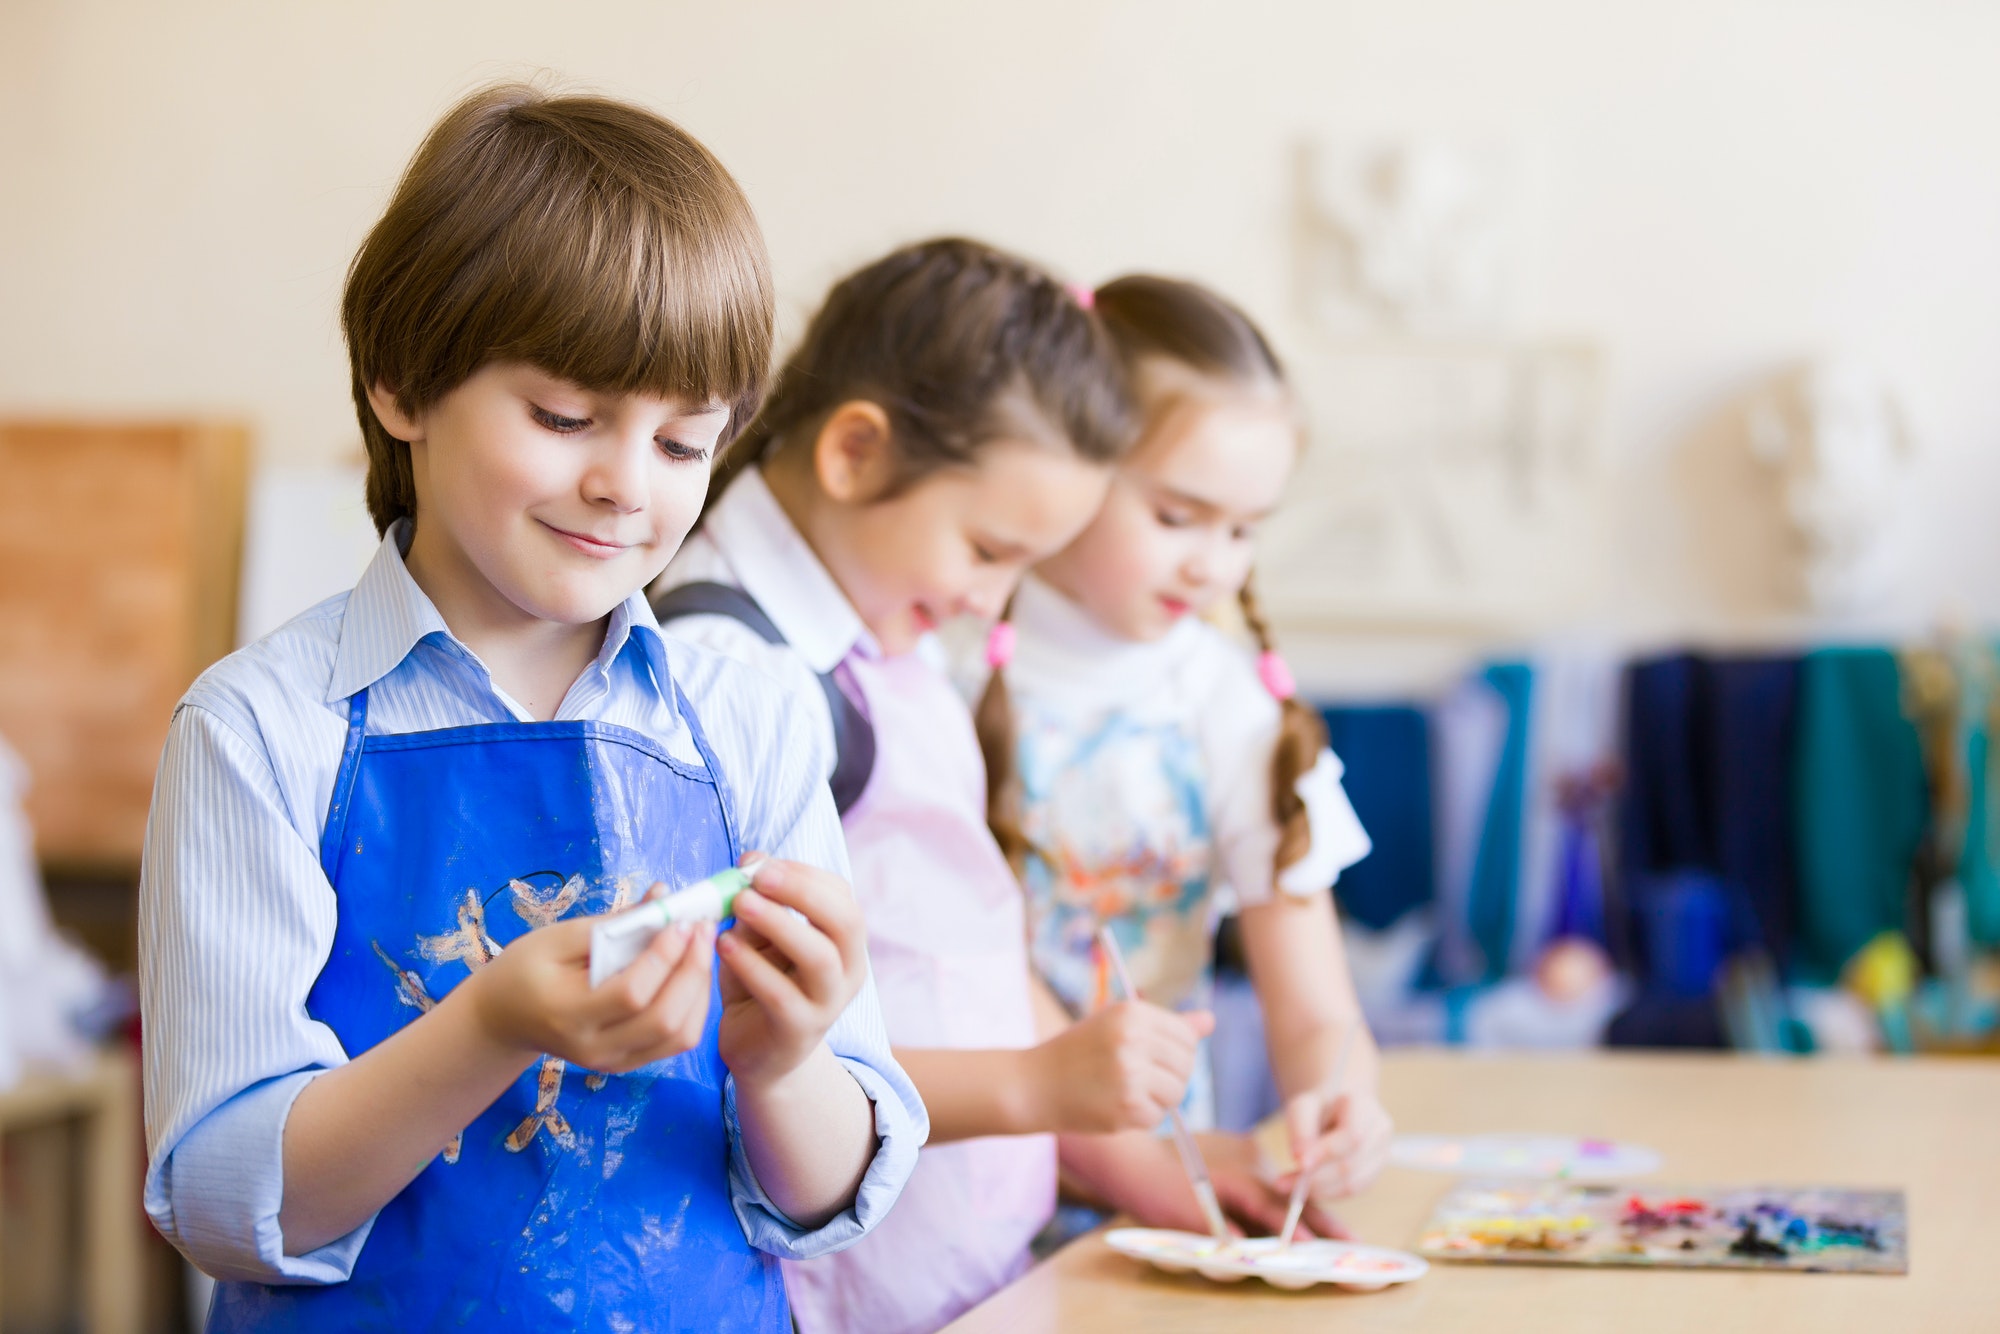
[
  {"x": 395, "y": 421},
  {"x": 852, "y": 455}
]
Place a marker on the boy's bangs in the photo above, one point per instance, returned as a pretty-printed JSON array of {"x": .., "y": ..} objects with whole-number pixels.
[{"x": 627, "y": 293}]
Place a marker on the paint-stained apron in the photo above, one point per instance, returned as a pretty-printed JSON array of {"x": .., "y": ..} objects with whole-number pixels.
[
  {"x": 947, "y": 943},
  {"x": 577, "y": 1201}
]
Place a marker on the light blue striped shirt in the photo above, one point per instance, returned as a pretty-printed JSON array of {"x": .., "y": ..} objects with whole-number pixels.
[{"x": 236, "y": 918}]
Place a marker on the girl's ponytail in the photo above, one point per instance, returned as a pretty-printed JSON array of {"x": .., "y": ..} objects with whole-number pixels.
[
  {"x": 1301, "y": 737},
  {"x": 993, "y": 721}
]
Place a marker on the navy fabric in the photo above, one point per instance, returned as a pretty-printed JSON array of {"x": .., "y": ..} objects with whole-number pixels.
[
  {"x": 1752, "y": 738},
  {"x": 1386, "y": 751},
  {"x": 1709, "y": 747},
  {"x": 576, "y": 1201},
  {"x": 1664, "y": 826}
]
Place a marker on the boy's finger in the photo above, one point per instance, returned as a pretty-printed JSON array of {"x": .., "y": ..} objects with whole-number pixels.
[
  {"x": 686, "y": 989},
  {"x": 1202, "y": 1022},
  {"x": 569, "y": 940},
  {"x": 767, "y": 985},
  {"x": 815, "y": 960},
  {"x": 677, "y": 1011},
  {"x": 632, "y": 988},
  {"x": 819, "y": 896}
]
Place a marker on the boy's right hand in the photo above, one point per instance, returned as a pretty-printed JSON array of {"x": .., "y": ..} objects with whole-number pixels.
[
  {"x": 535, "y": 996},
  {"x": 1122, "y": 1068}
]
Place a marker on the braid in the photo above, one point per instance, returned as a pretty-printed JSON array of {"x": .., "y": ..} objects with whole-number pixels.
[
  {"x": 1301, "y": 737},
  {"x": 993, "y": 721}
]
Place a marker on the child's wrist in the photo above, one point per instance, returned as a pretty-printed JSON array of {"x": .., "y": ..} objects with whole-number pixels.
[
  {"x": 1028, "y": 1101},
  {"x": 472, "y": 1004},
  {"x": 777, "y": 1084}
]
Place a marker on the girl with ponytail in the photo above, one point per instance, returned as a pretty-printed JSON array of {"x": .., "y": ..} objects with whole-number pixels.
[
  {"x": 950, "y": 416},
  {"x": 1152, "y": 776}
]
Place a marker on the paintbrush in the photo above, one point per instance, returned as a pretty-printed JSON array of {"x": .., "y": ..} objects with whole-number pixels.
[
  {"x": 1298, "y": 1205},
  {"x": 1191, "y": 1160}
]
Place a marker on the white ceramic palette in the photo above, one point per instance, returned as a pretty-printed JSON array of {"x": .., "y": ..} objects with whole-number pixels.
[
  {"x": 1546, "y": 1157},
  {"x": 1301, "y": 1265}
]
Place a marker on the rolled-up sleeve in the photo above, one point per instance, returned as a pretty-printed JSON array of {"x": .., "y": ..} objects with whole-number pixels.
[
  {"x": 788, "y": 811},
  {"x": 235, "y": 922}
]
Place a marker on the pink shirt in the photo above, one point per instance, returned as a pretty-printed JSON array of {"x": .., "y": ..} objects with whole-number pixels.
[{"x": 947, "y": 934}]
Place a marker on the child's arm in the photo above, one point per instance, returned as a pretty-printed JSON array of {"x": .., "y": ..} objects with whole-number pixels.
[
  {"x": 807, "y": 1126},
  {"x": 1292, "y": 945},
  {"x": 361, "y": 1132},
  {"x": 1121, "y": 1068}
]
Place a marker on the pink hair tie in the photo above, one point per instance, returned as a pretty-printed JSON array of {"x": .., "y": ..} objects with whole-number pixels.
[
  {"x": 1085, "y": 297},
  {"x": 1273, "y": 672},
  {"x": 1000, "y": 645}
]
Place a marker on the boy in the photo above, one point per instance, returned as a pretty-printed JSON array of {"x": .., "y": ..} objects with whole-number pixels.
[{"x": 380, "y": 1090}]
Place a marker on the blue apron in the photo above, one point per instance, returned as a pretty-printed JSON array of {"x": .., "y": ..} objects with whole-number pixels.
[{"x": 576, "y": 1201}]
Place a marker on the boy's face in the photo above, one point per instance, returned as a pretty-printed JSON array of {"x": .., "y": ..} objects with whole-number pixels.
[{"x": 538, "y": 499}]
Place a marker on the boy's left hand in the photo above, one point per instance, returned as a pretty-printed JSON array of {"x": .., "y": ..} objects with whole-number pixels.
[
  {"x": 795, "y": 958},
  {"x": 1342, "y": 1141}
]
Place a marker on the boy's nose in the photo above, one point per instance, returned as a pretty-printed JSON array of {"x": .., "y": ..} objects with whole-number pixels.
[{"x": 617, "y": 476}]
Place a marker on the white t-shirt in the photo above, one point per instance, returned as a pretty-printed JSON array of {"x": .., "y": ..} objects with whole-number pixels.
[{"x": 1145, "y": 773}]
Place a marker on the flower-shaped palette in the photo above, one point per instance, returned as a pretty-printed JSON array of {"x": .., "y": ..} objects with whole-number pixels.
[{"x": 1300, "y": 1265}]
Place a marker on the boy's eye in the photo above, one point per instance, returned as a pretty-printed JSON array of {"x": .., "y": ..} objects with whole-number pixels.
[
  {"x": 555, "y": 421},
  {"x": 1243, "y": 532},
  {"x": 984, "y": 556},
  {"x": 1172, "y": 518},
  {"x": 681, "y": 453}
]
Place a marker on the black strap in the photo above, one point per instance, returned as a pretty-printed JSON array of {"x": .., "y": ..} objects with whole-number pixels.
[{"x": 853, "y": 734}]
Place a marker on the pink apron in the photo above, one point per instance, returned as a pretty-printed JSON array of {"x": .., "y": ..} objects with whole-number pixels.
[{"x": 947, "y": 938}]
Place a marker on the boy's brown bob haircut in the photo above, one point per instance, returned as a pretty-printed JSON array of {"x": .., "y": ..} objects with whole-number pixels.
[{"x": 587, "y": 237}]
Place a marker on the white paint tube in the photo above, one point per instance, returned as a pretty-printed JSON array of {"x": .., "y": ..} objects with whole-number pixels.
[{"x": 617, "y": 940}]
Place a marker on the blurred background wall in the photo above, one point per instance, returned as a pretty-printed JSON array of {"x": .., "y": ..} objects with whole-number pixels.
[{"x": 1708, "y": 190}]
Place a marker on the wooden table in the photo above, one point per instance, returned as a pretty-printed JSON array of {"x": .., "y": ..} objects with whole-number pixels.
[
  {"x": 1931, "y": 1127},
  {"x": 104, "y": 1097}
]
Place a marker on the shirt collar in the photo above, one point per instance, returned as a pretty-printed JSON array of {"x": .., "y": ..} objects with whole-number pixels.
[
  {"x": 1061, "y": 642},
  {"x": 772, "y": 561},
  {"x": 388, "y": 616}
]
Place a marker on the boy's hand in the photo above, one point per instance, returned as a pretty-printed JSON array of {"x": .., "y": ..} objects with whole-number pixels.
[
  {"x": 795, "y": 959},
  {"x": 535, "y": 996},
  {"x": 1122, "y": 1068},
  {"x": 1343, "y": 1141}
]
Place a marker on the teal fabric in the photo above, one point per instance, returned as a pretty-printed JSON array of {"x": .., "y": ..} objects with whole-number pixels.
[
  {"x": 1859, "y": 805},
  {"x": 1976, "y": 870},
  {"x": 1496, "y": 868}
]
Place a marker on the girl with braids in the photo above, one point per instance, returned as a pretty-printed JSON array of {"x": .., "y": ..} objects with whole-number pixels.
[
  {"x": 1160, "y": 777},
  {"x": 950, "y": 417}
]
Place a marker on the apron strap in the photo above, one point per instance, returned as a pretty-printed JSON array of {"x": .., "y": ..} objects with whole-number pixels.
[
  {"x": 853, "y": 734},
  {"x": 687, "y": 715},
  {"x": 335, "y": 834}
]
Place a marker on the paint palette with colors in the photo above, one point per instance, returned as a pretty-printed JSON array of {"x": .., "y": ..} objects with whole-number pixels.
[{"x": 1300, "y": 1265}]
